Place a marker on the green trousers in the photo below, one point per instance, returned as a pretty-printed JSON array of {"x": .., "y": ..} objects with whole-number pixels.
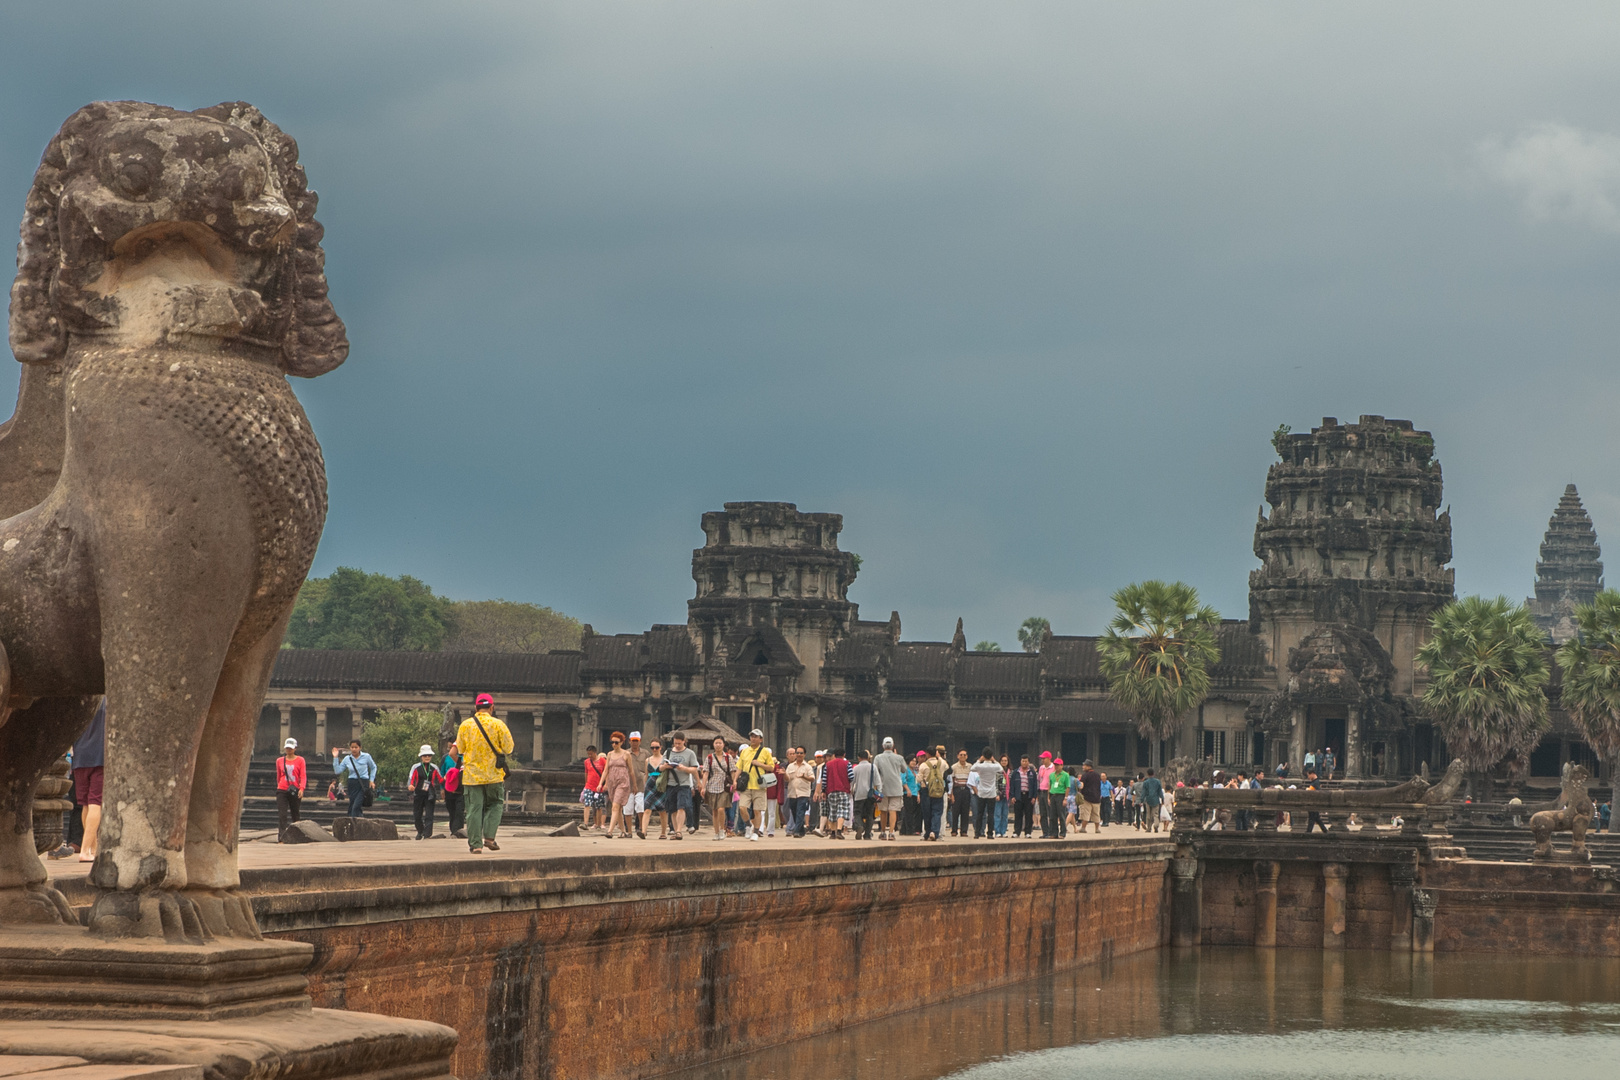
[{"x": 485, "y": 804}]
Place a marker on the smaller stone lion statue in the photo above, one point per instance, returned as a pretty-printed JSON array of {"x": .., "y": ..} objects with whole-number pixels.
[{"x": 1572, "y": 817}]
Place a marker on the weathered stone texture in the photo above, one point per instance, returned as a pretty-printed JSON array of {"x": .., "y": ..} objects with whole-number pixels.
[
  {"x": 348, "y": 829},
  {"x": 1525, "y": 907},
  {"x": 169, "y": 278},
  {"x": 566, "y": 989}
]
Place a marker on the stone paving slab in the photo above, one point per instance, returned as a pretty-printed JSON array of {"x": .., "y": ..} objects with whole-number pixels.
[{"x": 532, "y": 843}]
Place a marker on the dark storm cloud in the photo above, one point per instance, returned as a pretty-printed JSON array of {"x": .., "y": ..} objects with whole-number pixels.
[{"x": 1021, "y": 290}]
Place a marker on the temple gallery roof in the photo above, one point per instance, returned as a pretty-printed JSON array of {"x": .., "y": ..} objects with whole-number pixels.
[{"x": 346, "y": 669}]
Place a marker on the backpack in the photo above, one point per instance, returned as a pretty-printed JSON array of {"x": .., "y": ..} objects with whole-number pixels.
[{"x": 936, "y": 778}]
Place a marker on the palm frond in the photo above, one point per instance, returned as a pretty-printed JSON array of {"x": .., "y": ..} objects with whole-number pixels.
[{"x": 1157, "y": 652}]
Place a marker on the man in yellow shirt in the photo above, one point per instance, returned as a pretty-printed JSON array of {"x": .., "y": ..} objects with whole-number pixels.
[
  {"x": 484, "y": 742},
  {"x": 754, "y": 764}
]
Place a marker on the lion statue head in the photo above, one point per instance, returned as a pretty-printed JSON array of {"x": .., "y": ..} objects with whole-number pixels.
[{"x": 147, "y": 224}]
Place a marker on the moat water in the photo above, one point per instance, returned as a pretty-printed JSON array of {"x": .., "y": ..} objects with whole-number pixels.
[{"x": 1219, "y": 1013}]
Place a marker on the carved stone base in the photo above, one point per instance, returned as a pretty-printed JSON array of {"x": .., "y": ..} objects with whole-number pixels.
[
  {"x": 1574, "y": 855},
  {"x": 62, "y": 972},
  {"x": 318, "y": 1044},
  {"x": 236, "y": 1008}
]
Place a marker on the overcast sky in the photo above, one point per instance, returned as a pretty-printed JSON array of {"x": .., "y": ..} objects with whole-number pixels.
[{"x": 1020, "y": 289}]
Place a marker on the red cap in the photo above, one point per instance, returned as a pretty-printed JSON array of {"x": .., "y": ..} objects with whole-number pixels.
[
  {"x": 1057, "y": 761},
  {"x": 482, "y": 700},
  {"x": 1046, "y": 753}
]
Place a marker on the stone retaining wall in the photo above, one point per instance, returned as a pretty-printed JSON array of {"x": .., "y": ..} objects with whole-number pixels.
[
  {"x": 632, "y": 966},
  {"x": 1545, "y": 908}
]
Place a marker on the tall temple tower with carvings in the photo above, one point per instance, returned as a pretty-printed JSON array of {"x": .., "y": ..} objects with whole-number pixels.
[
  {"x": 772, "y": 598},
  {"x": 1353, "y": 567},
  {"x": 1570, "y": 571}
]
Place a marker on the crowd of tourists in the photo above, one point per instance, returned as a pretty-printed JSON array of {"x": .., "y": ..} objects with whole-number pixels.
[
  {"x": 470, "y": 777},
  {"x": 751, "y": 792}
]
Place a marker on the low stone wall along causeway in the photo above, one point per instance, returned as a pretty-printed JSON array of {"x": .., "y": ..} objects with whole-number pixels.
[{"x": 606, "y": 966}]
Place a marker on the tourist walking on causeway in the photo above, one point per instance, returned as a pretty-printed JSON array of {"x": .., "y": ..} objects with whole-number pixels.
[
  {"x": 862, "y": 786},
  {"x": 1105, "y": 800},
  {"x": 911, "y": 806},
  {"x": 291, "y": 779},
  {"x": 1021, "y": 792},
  {"x": 484, "y": 742},
  {"x": 359, "y": 775},
  {"x": 717, "y": 769},
  {"x": 931, "y": 784},
  {"x": 455, "y": 806},
  {"x": 1152, "y": 799},
  {"x": 684, "y": 772},
  {"x": 775, "y": 795},
  {"x": 891, "y": 772},
  {"x": 801, "y": 783},
  {"x": 636, "y": 809},
  {"x": 754, "y": 763},
  {"x": 1090, "y": 801},
  {"x": 590, "y": 796},
  {"x": 835, "y": 785},
  {"x": 424, "y": 783},
  {"x": 1003, "y": 800},
  {"x": 961, "y": 793},
  {"x": 653, "y": 795},
  {"x": 616, "y": 784},
  {"x": 986, "y": 774},
  {"x": 1057, "y": 788},
  {"x": 1043, "y": 794}
]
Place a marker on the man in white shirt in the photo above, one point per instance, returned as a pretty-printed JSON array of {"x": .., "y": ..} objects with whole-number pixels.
[{"x": 983, "y": 778}]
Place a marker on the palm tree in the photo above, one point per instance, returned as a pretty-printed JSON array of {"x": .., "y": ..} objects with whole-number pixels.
[
  {"x": 1487, "y": 664},
  {"x": 987, "y": 646},
  {"x": 1033, "y": 632},
  {"x": 1157, "y": 653},
  {"x": 1591, "y": 691}
]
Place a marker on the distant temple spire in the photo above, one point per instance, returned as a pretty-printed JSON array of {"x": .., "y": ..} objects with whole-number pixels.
[{"x": 1570, "y": 571}]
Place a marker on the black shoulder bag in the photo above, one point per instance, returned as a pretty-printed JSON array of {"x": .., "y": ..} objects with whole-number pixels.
[{"x": 500, "y": 758}]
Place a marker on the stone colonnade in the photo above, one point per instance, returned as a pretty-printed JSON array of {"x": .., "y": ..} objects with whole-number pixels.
[{"x": 1411, "y": 912}]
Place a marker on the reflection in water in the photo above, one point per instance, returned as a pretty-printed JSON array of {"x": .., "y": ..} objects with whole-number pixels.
[{"x": 1217, "y": 1013}]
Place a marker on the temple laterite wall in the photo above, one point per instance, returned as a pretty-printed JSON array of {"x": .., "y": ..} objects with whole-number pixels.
[{"x": 632, "y": 966}]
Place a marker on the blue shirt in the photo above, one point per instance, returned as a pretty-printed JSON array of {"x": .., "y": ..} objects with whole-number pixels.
[
  {"x": 90, "y": 751},
  {"x": 361, "y": 767},
  {"x": 1107, "y": 789}
]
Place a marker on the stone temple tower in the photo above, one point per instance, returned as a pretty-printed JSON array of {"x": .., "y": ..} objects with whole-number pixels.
[
  {"x": 1570, "y": 572},
  {"x": 1353, "y": 556},
  {"x": 772, "y": 596},
  {"x": 1354, "y": 537}
]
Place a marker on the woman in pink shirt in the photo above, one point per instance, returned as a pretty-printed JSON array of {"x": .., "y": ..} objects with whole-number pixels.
[{"x": 291, "y": 780}]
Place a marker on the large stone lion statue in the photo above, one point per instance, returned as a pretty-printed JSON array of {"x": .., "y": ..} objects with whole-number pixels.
[
  {"x": 1574, "y": 815},
  {"x": 162, "y": 493}
]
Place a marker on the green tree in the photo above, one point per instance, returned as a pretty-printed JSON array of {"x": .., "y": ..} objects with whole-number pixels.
[
  {"x": 1032, "y": 632},
  {"x": 987, "y": 646},
  {"x": 1279, "y": 438},
  {"x": 1157, "y": 652},
  {"x": 352, "y": 609},
  {"x": 1487, "y": 663},
  {"x": 505, "y": 626},
  {"x": 1591, "y": 689},
  {"x": 394, "y": 736}
]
